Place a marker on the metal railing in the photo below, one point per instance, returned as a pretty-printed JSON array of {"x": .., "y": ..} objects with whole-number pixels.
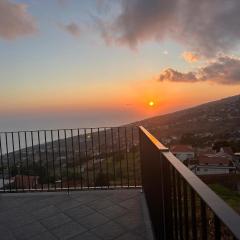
[
  {"x": 69, "y": 159},
  {"x": 180, "y": 205}
]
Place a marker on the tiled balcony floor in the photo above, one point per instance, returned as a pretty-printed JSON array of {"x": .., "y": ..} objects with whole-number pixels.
[{"x": 85, "y": 215}]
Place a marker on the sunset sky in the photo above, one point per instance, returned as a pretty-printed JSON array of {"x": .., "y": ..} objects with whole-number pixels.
[{"x": 100, "y": 62}]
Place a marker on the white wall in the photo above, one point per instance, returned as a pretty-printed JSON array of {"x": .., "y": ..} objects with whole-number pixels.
[
  {"x": 210, "y": 170},
  {"x": 184, "y": 155}
]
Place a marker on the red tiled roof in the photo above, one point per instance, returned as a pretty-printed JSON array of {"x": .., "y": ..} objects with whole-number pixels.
[
  {"x": 214, "y": 159},
  {"x": 181, "y": 148}
]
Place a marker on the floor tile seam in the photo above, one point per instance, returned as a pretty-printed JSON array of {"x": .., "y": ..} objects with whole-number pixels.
[
  {"x": 85, "y": 230},
  {"x": 65, "y": 213},
  {"x": 110, "y": 218},
  {"x": 50, "y": 229}
]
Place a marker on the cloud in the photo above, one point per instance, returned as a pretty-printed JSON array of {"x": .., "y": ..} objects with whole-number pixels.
[
  {"x": 205, "y": 27},
  {"x": 15, "y": 21},
  {"x": 175, "y": 76},
  {"x": 190, "y": 57},
  {"x": 71, "y": 28},
  {"x": 224, "y": 70}
]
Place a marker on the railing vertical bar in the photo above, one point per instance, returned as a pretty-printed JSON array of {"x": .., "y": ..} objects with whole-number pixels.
[
  {"x": 179, "y": 205},
  {"x": 26, "y": 151},
  {"x": 73, "y": 160},
  {"x": 106, "y": 155},
  {"x": 203, "y": 220},
  {"x": 126, "y": 152},
  {"x": 14, "y": 161},
  {"x": 8, "y": 166},
  {"x": 40, "y": 158},
  {"x": 86, "y": 155},
  {"x": 193, "y": 214},
  {"x": 60, "y": 158},
  {"x": 79, "y": 158},
  {"x": 217, "y": 228},
  {"x": 53, "y": 161},
  {"x": 134, "y": 158},
  {"x": 175, "y": 204},
  {"x": 113, "y": 157},
  {"x": 93, "y": 158},
  {"x": 66, "y": 156},
  {"x": 167, "y": 185},
  {"x": 33, "y": 161},
  {"x": 20, "y": 156},
  {"x": 2, "y": 164},
  {"x": 46, "y": 156},
  {"x": 119, "y": 156},
  {"x": 99, "y": 151},
  {"x": 185, "y": 199}
]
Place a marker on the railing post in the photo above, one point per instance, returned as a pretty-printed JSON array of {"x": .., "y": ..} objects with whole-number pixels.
[
  {"x": 150, "y": 166},
  {"x": 156, "y": 170}
]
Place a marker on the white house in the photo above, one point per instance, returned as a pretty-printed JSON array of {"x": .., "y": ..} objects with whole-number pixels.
[{"x": 214, "y": 163}]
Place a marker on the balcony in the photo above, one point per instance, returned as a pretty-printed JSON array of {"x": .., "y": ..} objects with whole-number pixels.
[{"x": 104, "y": 183}]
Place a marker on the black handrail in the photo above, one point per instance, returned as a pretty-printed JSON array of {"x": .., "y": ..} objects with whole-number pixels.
[{"x": 174, "y": 195}]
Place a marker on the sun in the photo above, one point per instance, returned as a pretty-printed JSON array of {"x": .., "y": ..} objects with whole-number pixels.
[{"x": 151, "y": 103}]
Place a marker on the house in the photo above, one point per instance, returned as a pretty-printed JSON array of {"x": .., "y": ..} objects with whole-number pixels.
[
  {"x": 214, "y": 163},
  {"x": 25, "y": 182},
  {"x": 183, "y": 152}
]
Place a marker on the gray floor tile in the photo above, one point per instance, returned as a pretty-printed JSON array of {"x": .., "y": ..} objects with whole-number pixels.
[
  {"x": 45, "y": 212},
  {"x": 68, "y": 230},
  {"x": 68, "y": 204},
  {"x": 55, "y": 221},
  {"x": 113, "y": 211},
  {"x": 28, "y": 231},
  {"x": 6, "y": 234},
  {"x": 93, "y": 220},
  {"x": 130, "y": 221},
  {"x": 84, "y": 215},
  {"x": 44, "y": 236},
  {"x": 130, "y": 236},
  {"x": 86, "y": 236},
  {"x": 131, "y": 204},
  {"x": 79, "y": 211},
  {"x": 109, "y": 231},
  {"x": 97, "y": 205}
]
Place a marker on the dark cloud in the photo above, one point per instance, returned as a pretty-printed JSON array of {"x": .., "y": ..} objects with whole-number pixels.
[
  {"x": 176, "y": 76},
  {"x": 72, "y": 28},
  {"x": 225, "y": 70},
  {"x": 15, "y": 21},
  {"x": 206, "y": 27}
]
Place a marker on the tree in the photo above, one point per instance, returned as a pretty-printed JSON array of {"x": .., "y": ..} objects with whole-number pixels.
[{"x": 219, "y": 144}]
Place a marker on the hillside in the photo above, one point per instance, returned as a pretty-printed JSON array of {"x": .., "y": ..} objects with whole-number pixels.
[{"x": 218, "y": 120}]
